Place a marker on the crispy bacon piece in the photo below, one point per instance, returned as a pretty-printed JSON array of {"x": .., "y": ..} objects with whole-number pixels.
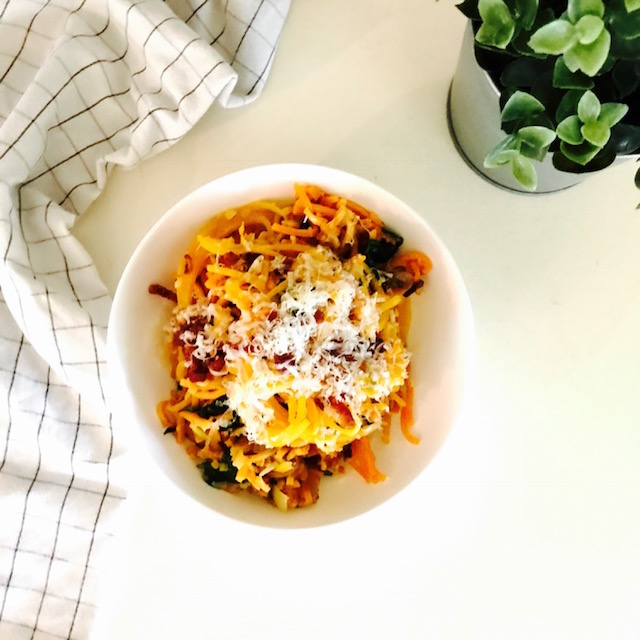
[{"x": 163, "y": 292}]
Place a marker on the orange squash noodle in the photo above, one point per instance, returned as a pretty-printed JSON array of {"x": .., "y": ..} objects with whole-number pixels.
[{"x": 287, "y": 344}]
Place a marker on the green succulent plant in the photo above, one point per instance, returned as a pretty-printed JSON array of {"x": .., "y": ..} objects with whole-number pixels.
[{"x": 568, "y": 73}]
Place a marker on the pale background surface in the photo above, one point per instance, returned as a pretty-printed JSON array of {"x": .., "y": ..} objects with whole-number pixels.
[{"x": 527, "y": 524}]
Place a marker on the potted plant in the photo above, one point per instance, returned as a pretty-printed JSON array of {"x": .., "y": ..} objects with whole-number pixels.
[{"x": 566, "y": 75}]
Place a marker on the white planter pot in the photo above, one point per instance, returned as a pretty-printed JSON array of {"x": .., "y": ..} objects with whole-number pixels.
[{"x": 474, "y": 120}]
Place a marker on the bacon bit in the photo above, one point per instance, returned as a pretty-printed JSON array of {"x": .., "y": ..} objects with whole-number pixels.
[
  {"x": 272, "y": 316},
  {"x": 318, "y": 316},
  {"x": 279, "y": 359},
  {"x": 342, "y": 409},
  {"x": 197, "y": 370},
  {"x": 418, "y": 284},
  {"x": 216, "y": 364},
  {"x": 163, "y": 292},
  {"x": 227, "y": 259}
]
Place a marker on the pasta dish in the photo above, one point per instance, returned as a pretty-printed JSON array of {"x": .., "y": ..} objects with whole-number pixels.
[{"x": 287, "y": 343}]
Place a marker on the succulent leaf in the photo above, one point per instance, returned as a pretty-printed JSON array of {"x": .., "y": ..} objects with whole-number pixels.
[
  {"x": 626, "y": 77},
  {"x": 589, "y": 27},
  {"x": 522, "y": 72},
  {"x": 589, "y": 107},
  {"x": 521, "y": 105},
  {"x": 498, "y": 25},
  {"x": 501, "y": 151},
  {"x": 525, "y": 12},
  {"x": 576, "y": 9},
  {"x": 536, "y": 136},
  {"x": 612, "y": 112},
  {"x": 503, "y": 157},
  {"x": 596, "y": 132},
  {"x": 589, "y": 58},
  {"x": 580, "y": 154},
  {"x": 525, "y": 173},
  {"x": 565, "y": 79},
  {"x": 535, "y": 141},
  {"x": 632, "y": 5},
  {"x": 554, "y": 38},
  {"x": 625, "y": 138},
  {"x": 569, "y": 130},
  {"x": 568, "y": 105}
]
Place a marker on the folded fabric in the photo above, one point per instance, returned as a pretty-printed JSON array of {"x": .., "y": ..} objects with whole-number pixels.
[{"x": 85, "y": 86}]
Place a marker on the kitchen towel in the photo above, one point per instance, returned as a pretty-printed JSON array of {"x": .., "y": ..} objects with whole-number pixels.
[{"x": 85, "y": 86}]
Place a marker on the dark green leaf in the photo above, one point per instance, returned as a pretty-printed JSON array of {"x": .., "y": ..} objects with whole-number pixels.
[
  {"x": 625, "y": 77},
  {"x": 522, "y": 72},
  {"x": 548, "y": 95},
  {"x": 565, "y": 79},
  {"x": 625, "y": 25},
  {"x": 602, "y": 160},
  {"x": 581, "y": 153},
  {"x": 625, "y": 138},
  {"x": 625, "y": 49},
  {"x": 469, "y": 8},
  {"x": 533, "y": 152},
  {"x": 525, "y": 12},
  {"x": 520, "y": 45},
  {"x": 521, "y": 106},
  {"x": 568, "y": 105}
]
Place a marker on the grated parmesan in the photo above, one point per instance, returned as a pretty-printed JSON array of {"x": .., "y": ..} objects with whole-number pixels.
[{"x": 319, "y": 340}]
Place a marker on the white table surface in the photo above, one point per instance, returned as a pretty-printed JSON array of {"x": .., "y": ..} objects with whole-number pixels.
[{"x": 527, "y": 523}]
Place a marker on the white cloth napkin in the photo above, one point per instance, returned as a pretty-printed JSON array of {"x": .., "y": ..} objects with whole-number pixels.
[{"x": 85, "y": 85}]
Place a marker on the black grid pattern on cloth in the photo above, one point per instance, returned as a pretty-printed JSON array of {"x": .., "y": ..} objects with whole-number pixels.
[{"x": 85, "y": 86}]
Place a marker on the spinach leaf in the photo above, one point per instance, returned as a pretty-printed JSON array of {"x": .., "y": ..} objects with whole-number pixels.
[
  {"x": 378, "y": 251},
  {"x": 213, "y": 409},
  {"x": 234, "y": 423},
  {"x": 225, "y": 474}
]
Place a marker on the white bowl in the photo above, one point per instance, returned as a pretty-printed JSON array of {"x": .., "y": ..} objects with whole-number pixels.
[{"x": 441, "y": 341}]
